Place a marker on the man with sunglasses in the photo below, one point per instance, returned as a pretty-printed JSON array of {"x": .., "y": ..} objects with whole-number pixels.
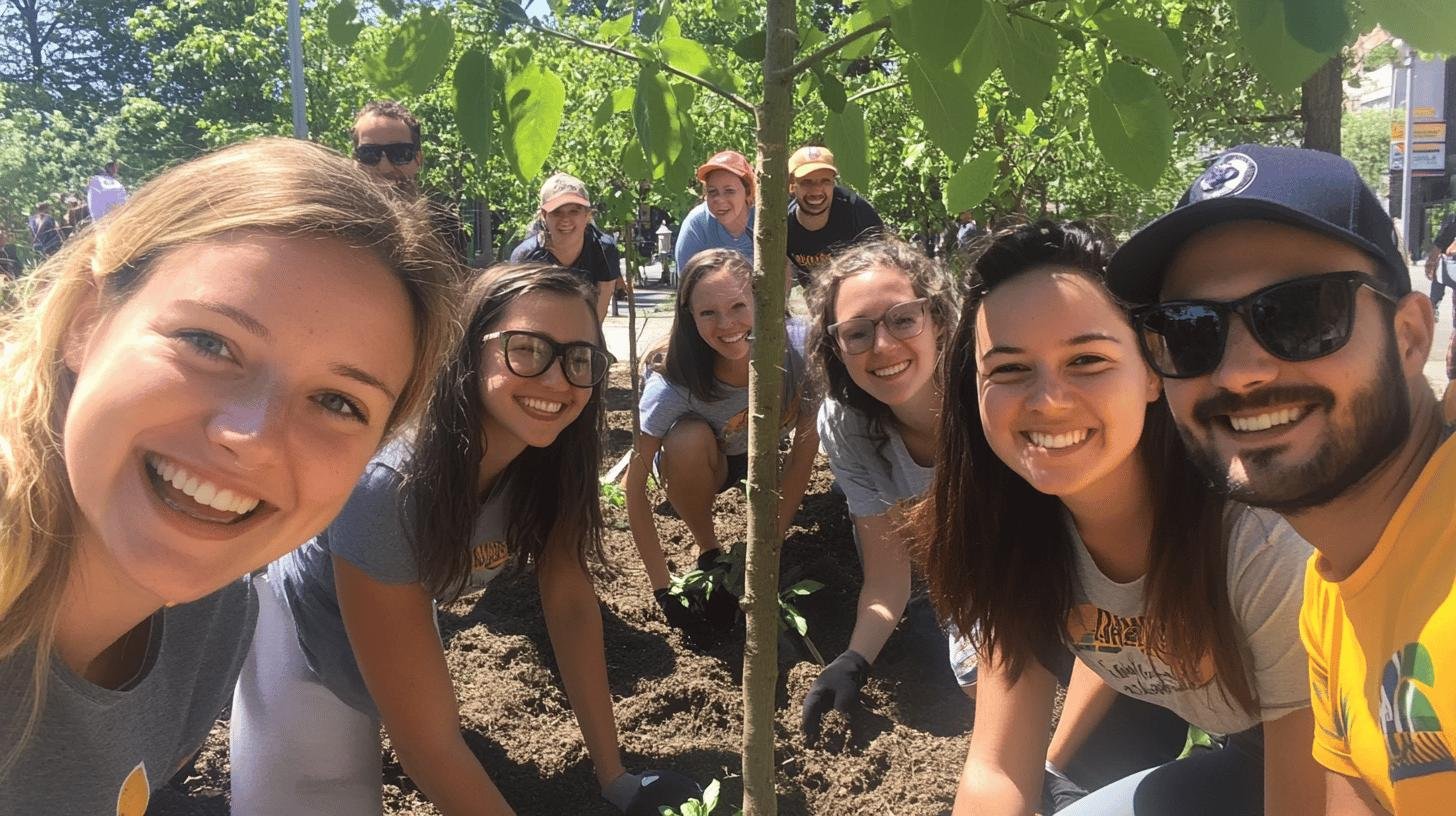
[
  {"x": 386, "y": 142},
  {"x": 1281, "y": 316}
]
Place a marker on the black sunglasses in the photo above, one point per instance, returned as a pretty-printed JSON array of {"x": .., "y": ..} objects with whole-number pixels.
[
  {"x": 529, "y": 354},
  {"x": 903, "y": 321},
  {"x": 399, "y": 153},
  {"x": 1297, "y": 320}
]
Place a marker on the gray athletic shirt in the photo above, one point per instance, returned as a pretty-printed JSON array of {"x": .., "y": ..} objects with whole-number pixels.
[
  {"x": 872, "y": 467},
  {"x": 663, "y": 403},
  {"x": 1266, "y": 563},
  {"x": 103, "y": 751},
  {"x": 373, "y": 532}
]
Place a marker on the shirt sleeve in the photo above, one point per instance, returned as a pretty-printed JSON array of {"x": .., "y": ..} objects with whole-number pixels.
[
  {"x": 613, "y": 258},
  {"x": 1331, "y": 742},
  {"x": 372, "y": 531},
  {"x": 661, "y": 406},
  {"x": 865, "y": 217},
  {"x": 847, "y": 448},
  {"x": 1266, "y": 586},
  {"x": 523, "y": 249},
  {"x": 690, "y": 240}
]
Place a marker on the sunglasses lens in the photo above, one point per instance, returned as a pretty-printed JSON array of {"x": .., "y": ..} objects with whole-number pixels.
[
  {"x": 1304, "y": 319},
  {"x": 1182, "y": 339},
  {"x": 528, "y": 356},
  {"x": 368, "y": 154},
  {"x": 400, "y": 153}
]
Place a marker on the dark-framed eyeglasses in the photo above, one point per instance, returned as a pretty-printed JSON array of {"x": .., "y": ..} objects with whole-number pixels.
[
  {"x": 398, "y": 153},
  {"x": 529, "y": 354},
  {"x": 1296, "y": 320},
  {"x": 903, "y": 321}
]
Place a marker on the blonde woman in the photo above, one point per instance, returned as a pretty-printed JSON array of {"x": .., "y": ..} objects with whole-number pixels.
[{"x": 193, "y": 392}]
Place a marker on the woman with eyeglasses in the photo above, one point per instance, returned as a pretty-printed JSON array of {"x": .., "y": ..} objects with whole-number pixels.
[
  {"x": 349, "y": 640},
  {"x": 1065, "y": 521},
  {"x": 694, "y": 417},
  {"x": 190, "y": 391},
  {"x": 878, "y": 315},
  {"x": 565, "y": 236}
]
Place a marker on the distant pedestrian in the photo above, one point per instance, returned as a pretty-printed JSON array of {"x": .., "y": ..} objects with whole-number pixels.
[
  {"x": 45, "y": 234},
  {"x": 9, "y": 258},
  {"x": 824, "y": 216},
  {"x": 104, "y": 192},
  {"x": 77, "y": 216},
  {"x": 1441, "y": 265},
  {"x": 565, "y": 236}
]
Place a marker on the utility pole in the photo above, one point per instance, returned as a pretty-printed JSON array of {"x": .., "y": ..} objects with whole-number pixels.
[
  {"x": 1406, "y": 222},
  {"x": 295, "y": 69}
]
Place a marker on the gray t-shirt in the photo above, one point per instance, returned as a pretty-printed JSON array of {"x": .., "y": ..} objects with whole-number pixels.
[
  {"x": 103, "y": 751},
  {"x": 873, "y": 468},
  {"x": 1266, "y": 562},
  {"x": 373, "y": 533},
  {"x": 663, "y": 403}
]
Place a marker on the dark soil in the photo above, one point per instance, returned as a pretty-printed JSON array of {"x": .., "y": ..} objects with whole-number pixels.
[{"x": 900, "y": 754}]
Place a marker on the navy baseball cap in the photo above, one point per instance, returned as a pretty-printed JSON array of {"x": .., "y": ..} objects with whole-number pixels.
[{"x": 1311, "y": 189}]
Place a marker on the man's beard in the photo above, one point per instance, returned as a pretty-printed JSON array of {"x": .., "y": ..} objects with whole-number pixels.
[{"x": 1380, "y": 424}]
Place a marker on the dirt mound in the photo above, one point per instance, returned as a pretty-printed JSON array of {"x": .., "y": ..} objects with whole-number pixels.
[{"x": 899, "y": 754}]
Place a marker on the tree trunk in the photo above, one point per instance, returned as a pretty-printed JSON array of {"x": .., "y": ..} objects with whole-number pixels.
[
  {"x": 765, "y": 384},
  {"x": 1322, "y": 106}
]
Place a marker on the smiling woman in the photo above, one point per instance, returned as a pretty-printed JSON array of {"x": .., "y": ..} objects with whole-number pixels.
[{"x": 193, "y": 392}]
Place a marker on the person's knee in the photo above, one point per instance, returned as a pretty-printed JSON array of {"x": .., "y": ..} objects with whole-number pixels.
[{"x": 689, "y": 448}]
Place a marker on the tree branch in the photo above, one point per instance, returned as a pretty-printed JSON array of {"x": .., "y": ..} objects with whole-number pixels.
[
  {"x": 867, "y": 91},
  {"x": 832, "y": 46},
  {"x": 735, "y": 99},
  {"x": 1060, "y": 28}
]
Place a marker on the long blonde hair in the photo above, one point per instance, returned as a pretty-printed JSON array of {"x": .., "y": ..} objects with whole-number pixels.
[{"x": 269, "y": 185}]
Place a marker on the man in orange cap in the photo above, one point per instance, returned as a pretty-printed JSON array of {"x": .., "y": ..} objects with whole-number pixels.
[{"x": 823, "y": 216}]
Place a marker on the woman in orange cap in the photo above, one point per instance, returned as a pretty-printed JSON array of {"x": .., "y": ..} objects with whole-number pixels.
[{"x": 725, "y": 218}]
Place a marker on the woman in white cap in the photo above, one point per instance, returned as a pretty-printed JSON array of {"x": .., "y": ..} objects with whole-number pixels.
[
  {"x": 565, "y": 236},
  {"x": 724, "y": 220}
]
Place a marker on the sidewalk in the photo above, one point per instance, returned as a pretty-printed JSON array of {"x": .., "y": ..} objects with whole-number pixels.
[{"x": 654, "y": 320}]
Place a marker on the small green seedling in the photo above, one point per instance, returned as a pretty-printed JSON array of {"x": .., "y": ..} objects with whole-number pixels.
[
  {"x": 613, "y": 494},
  {"x": 699, "y": 807},
  {"x": 791, "y": 618}
]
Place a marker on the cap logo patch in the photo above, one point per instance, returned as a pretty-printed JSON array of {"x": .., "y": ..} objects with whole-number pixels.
[{"x": 1230, "y": 175}]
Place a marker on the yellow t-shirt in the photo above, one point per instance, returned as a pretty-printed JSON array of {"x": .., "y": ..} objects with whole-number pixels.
[{"x": 1382, "y": 653}]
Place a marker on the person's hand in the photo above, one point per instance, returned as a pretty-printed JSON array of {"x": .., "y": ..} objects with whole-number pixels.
[
  {"x": 837, "y": 687},
  {"x": 692, "y": 622},
  {"x": 720, "y": 605},
  {"x": 643, "y": 794}
]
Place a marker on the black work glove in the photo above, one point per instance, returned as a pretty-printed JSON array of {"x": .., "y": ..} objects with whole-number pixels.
[
  {"x": 720, "y": 607},
  {"x": 642, "y": 794},
  {"x": 836, "y": 687},
  {"x": 1059, "y": 793},
  {"x": 689, "y": 620}
]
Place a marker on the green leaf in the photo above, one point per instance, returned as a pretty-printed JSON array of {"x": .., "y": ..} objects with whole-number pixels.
[
  {"x": 1142, "y": 40},
  {"x": 1428, "y": 25},
  {"x": 1031, "y": 61},
  {"x": 655, "y": 113},
  {"x": 810, "y": 38},
  {"x": 671, "y": 27},
  {"x": 614, "y": 30},
  {"x": 864, "y": 45},
  {"x": 413, "y": 56},
  {"x": 1275, "y": 55},
  {"x": 692, "y": 808},
  {"x": 535, "y": 100},
  {"x": 751, "y": 46},
  {"x": 1131, "y": 123},
  {"x": 989, "y": 40},
  {"x": 343, "y": 26},
  {"x": 620, "y": 100},
  {"x": 831, "y": 90},
  {"x": 685, "y": 55},
  {"x": 390, "y": 7},
  {"x": 972, "y": 182},
  {"x": 652, "y": 19},
  {"x": 727, "y": 10},
  {"x": 511, "y": 12},
  {"x": 796, "y": 620},
  {"x": 935, "y": 30},
  {"x": 807, "y": 585},
  {"x": 946, "y": 102},
  {"x": 1319, "y": 25},
  {"x": 475, "y": 85},
  {"x": 710, "y": 796}
]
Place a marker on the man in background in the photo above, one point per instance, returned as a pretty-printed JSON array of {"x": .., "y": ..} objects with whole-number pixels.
[
  {"x": 45, "y": 234},
  {"x": 823, "y": 216},
  {"x": 386, "y": 142},
  {"x": 104, "y": 192}
]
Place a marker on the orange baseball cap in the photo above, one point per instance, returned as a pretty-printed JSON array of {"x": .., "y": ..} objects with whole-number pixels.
[
  {"x": 810, "y": 158},
  {"x": 732, "y": 161}
]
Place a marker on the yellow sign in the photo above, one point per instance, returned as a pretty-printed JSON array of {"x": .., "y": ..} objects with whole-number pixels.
[
  {"x": 1424, "y": 112},
  {"x": 1423, "y": 131}
]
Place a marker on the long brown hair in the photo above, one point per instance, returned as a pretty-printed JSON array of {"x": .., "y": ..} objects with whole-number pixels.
[
  {"x": 685, "y": 358},
  {"x": 271, "y": 186},
  {"x": 554, "y": 492},
  {"x": 997, "y": 554}
]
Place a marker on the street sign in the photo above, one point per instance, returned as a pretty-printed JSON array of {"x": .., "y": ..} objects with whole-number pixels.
[
  {"x": 1428, "y": 156},
  {"x": 1423, "y": 131}
]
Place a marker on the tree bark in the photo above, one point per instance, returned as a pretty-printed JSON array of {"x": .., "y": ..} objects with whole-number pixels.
[
  {"x": 765, "y": 384},
  {"x": 1323, "y": 97}
]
